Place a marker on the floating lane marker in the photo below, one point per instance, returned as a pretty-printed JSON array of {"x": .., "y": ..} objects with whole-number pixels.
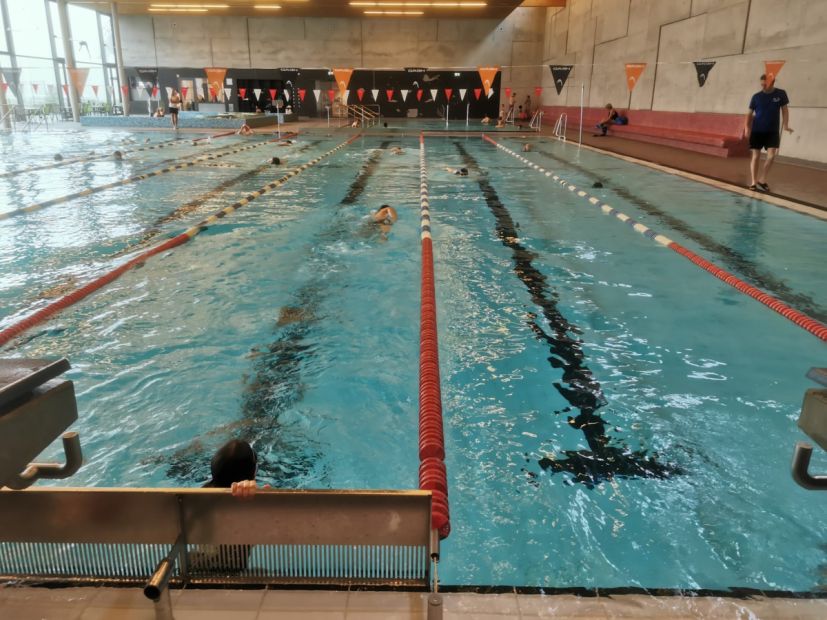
[
  {"x": 813, "y": 326},
  {"x": 78, "y": 294},
  {"x": 432, "y": 473},
  {"x": 133, "y": 179},
  {"x": 79, "y": 160}
]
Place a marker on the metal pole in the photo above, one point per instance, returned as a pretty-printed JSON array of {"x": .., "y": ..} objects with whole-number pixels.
[
  {"x": 66, "y": 33},
  {"x": 467, "y": 113},
  {"x": 116, "y": 30},
  {"x": 278, "y": 121},
  {"x": 446, "y": 115},
  {"x": 58, "y": 81},
  {"x": 328, "y": 116},
  {"x": 580, "y": 135}
]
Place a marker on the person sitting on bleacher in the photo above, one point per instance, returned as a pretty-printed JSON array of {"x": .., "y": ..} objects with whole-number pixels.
[{"x": 613, "y": 117}]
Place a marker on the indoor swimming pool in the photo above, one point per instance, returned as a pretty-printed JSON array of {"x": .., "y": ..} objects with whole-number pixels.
[{"x": 615, "y": 416}]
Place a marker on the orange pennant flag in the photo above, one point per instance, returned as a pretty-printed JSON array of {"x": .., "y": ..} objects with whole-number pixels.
[
  {"x": 342, "y": 79},
  {"x": 772, "y": 68},
  {"x": 215, "y": 78},
  {"x": 633, "y": 73},
  {"x": 487, "y": 75},
  {"x": 78, "y": 77}
]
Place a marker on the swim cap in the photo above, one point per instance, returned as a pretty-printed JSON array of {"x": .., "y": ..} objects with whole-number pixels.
[{"x": 235, "y": 461}]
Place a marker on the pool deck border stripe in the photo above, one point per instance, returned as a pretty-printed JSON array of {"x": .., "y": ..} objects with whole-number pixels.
[
  {"x": 78, "y": 294},
  {"x": 133, "y": 179},
  {"x": 818, "y": 329},
  {"x": 432, "y": 473}
]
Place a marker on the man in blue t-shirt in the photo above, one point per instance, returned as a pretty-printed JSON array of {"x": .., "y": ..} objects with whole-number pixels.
[{"x": 761, "y": 127}]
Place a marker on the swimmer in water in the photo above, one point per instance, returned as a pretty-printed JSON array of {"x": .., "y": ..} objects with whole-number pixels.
[
  {"x": 397, "y": 150},
  {"x": 117, "y": 155},
  {"x": 244, "y": 130},
  {"x": 460, "y": 172},
  {"x": 58, "y": 157},
  {"x": 275, "y": 161},
  {"x": 526, "y": 147}
]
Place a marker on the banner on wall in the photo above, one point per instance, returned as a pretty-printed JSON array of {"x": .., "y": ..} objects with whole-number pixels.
[
  {"x": 487, "y": 75},
  {"x": 772, "y": 68},
  {"x": 702, "y": 68},
  {"x": 12, "y": 78},
  {"x": 633, "y": 73},
  {"x": 78, "y": 77},
  {"x": 560, "y": 73},
  {"x": 342, "y": 78},
  {"x": 215, "y": 78},
  {"x": 416, "y": 69}
]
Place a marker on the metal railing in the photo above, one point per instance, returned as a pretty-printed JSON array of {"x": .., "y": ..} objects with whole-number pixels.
[
  {"x": 537, "y": 121},
  {"x": 363, "y": 115},
  {"x": 560, "y": 127},
  {"x": 153, "y": 537}
]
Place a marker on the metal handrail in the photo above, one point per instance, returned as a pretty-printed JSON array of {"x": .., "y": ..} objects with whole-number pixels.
[
  {"x": 363, "y": 114},
  {"x": 537, "y": 120},
  {"x": 560, "y": 127}
]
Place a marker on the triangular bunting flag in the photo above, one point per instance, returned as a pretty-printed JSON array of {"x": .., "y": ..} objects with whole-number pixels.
[
  {"x": 434, "y": 92},
  {"x": 772, "y": 68},
  {"x": 633, "y": 72},
  {"x": 95, "y": 89},
  {"x": 560, "y": 73},
  {"x": 125, "y": 90},
  {"x": 347, "y": 96},
  {"x": 169, "y": 91},
  {"x": 184, "y": 90},
  {"x": 538, "y": 90},
  {"x": 490, "y": 93},
  {"x": 508, "y": 93},
  {"x": 404, "y": 94},
  {"x": 302, "y": 93},
  {"x": 342, "y": 79},
  {"x": 331, "y": 94},
  {"x": 448, "y": 92},
  {"x": 375, "y": 93},
  {"x": 389, "y": 93},
  {"x": 462, "y": 92},
  {"x": 78, "y": 77},
  {"x": 35, "y": 86},
  {"x": 4, "y": 86},
  {"x": 155, "y": 92},
  {"x": 419, "y": 95},
  {"x": 702, "y": 68},
  {"x": 273, "y": 92},
  {"x": 227, "y": 93},
  {"x": 65, "y": 89},
  {"x": 242, "y": 92},
  {"x": 477, "y": 93},
  {"x": 286, "y": 92},
  {"x": 317, "y": 93},
  {"x": 257, "y": 93},
  {"x": 360, "y": 93},
  {"x": 487, "y": 75}
]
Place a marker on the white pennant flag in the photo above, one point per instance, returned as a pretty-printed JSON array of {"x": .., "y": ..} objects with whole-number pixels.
[
  {"x": 490, "y": 93},
  {"x": 375, "y": 93},
  {"x": 462, "y": 92},
  {"x": 227, "y": 93},
  {"x": 169, "y": 91},
  {"x": 317, "y": 94},
  {"x": 257, "y": 92},
  {"x": 404, "y": 94},
  {"x": 286, "y": 92},
  {"x": 434, "y": 91}
]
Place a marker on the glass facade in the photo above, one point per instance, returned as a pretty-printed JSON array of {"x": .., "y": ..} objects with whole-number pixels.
[{"x": 32, "y": 52}]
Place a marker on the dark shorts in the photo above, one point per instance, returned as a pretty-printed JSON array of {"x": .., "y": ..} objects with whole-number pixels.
[
  {"x": 764, "y": 140},
  {"x": 173, "y": 111}
]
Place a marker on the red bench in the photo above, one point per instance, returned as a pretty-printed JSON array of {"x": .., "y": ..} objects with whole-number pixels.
[{"x": 703, "y": 132}]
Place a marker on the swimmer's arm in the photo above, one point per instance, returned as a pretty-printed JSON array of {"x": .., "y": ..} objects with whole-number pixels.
[{"x": 246, "y": 489}]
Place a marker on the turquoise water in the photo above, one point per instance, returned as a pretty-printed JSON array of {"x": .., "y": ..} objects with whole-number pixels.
[{"x": 294, "y": 325}]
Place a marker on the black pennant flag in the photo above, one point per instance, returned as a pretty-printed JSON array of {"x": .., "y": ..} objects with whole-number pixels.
[
  {"x": 12, "y": 78},
  {"x": 560, "y": 73},
  {"x": 703, "y": 67}
]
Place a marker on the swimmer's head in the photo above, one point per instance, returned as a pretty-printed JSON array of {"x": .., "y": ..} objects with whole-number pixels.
[
  {"x": 117, "y": 155},
  {"x": 235, "y": 461},
  {"x": 275, "y": 161},
  {"x": 58, "y": 157},
  {"x": 386, "y": 124},
  {"x": 463, "y": 172}
]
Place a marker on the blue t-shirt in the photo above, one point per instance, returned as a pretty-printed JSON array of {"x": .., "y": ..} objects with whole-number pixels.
[{"x": 767, "y": 107}]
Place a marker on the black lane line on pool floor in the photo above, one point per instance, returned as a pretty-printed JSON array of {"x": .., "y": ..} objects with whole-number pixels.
[
  {"x": 733, "y": 258},
  {"x": 276, "y": 384},
  {"x": 578, "y": 385}
]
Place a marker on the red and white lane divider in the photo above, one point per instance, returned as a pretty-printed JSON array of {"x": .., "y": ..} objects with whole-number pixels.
[
  {"x": 432, "y": 474},
  {"x": 75, "y": 296},
  {"x": 818, "y": 329}
]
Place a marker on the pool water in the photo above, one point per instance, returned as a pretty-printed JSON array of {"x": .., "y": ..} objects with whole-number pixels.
[{"x": 614, "y": 415}]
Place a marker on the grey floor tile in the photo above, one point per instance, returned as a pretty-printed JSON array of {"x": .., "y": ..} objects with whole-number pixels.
[
  {"x": 220, "y": 600},
  {"x": 304, "y": 600},
  {"x": 301, "y": 615},
  {"x": 481, "y": 603}
]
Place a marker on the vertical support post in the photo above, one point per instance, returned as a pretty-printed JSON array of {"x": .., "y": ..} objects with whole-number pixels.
[
  {"x": 278, "y": 122},
  {"x": 103, "y": 61},
  {"x": 66, "y": 33},
  {"x": 447, "y": 107},
  {"x": 580, "y": 135},
  {"x": 116, "y": 31},
  {"x": 467, "y": 113},
  {"x": 51, "y": 29}
]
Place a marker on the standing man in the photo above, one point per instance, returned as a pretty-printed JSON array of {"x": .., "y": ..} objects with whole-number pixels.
[
  {"x": 761, "y": 127},
  {"x": 174, "y": 105}
]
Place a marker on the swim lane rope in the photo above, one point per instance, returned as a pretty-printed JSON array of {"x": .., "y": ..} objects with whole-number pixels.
[
  {"x": 432, "y": 473},
  {"x": 133, "y": 179},
  {"x": 78, "y": 294},
  {"x": 816, "y": 328}
]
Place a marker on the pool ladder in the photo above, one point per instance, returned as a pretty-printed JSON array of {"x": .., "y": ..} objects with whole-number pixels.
[
  {"x": 560, "y": 127},
  {"x": 813, "y": 421}
]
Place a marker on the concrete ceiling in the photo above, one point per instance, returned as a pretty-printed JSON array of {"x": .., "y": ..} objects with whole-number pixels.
[{"x": 321, "y": 8}]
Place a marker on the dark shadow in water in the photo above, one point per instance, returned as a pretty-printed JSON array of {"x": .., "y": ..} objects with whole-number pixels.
[
  {"x": 275, "y": 386},
  {"x": 735, "y": 260},
  {"x": 603, "y": 461}
]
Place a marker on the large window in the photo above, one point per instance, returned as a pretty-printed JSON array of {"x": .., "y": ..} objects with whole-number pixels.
[{"x": 34, "y": 29}]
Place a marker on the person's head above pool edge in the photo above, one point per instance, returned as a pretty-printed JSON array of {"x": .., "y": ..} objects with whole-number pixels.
[
  {"x": 463, "y": 172},
  {"x": 117, "y": 155},
  {"x": 275, "y": 161},
  {"x": 386, "y": 124},
  {"x": 233, "y": 462},
  {"x": 58, "y": 157}
]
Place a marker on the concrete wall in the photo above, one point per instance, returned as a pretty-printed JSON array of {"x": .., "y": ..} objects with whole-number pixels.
[
  {"x": 272, "y": 42},
  {"x": 600, "y": 36}
]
